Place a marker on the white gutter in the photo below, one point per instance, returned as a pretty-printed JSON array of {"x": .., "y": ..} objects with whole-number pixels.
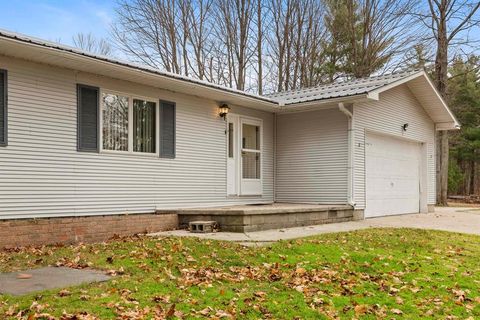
[
  {"x": 285, "y": 107},
  {"x": 349, "y": 115}
]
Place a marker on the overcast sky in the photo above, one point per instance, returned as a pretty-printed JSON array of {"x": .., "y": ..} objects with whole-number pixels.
[{"x": 57, "y": 20}]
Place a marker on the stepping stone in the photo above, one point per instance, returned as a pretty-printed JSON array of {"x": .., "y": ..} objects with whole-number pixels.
[{"x": 27, "y": 281}]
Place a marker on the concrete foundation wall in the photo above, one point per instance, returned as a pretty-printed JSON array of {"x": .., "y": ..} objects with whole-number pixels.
[{"x": 245, "y": 222}]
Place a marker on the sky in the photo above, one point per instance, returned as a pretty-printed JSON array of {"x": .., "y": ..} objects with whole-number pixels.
[
  {"x": 57, "y": 20},
  {"x": 60, "y": 20}
]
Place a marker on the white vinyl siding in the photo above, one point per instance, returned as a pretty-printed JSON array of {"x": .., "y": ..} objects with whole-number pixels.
[
  {"x": 43, "y": 174},
  {"x": 312, "y": 157},
  {"x": 386, "y": 116}
]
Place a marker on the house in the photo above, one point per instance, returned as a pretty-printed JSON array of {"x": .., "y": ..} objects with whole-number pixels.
[{"x": 91, "y": 146}]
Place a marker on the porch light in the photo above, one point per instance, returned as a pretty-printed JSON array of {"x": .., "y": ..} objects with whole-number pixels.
[
  {"x": 223, "y": 110},
  {"x": 404, "y": 127}
]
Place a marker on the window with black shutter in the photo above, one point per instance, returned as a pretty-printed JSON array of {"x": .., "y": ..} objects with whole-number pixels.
[
  {"x": 167, "y": 129},
  {"x": 3, "y": 107},
  {"x": 88, "y": 118}
]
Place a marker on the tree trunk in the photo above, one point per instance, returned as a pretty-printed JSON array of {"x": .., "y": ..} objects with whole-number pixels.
[
  {"x": 259, "y": 47},
  {"x": 438, "y": 161},
  {"x": 444, "y": 168},
  {"x": 476, "y": 178},
  {"x": 441, "y": 74},
  {"x": 467, "y": 181}
]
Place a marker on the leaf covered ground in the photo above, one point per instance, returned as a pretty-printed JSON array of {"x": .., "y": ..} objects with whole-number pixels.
[{"x": 367, "y": 274}]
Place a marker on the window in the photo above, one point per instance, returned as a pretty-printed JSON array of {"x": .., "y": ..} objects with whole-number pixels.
[
  {"x": 3, "y": 107},
  {"x": 144, "y": 124},
  {"x": 115, "y": 122},
  {"x": 128, "y": 124},
  {"x": 251, "y": 151},
  {"x": 230, "y": 139}
]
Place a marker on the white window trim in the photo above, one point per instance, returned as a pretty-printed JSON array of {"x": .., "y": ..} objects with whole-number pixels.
[{"x": 131, "y": 97}]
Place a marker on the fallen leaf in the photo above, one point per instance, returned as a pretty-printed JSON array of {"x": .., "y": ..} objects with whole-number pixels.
[
  {"x": 300, "y": 271},
  {"x": 170, "y": 311},
  {"x": 360, "y": 309},
  {"x": 64, "y": 293},
  {"x": 397, "y": 311}
]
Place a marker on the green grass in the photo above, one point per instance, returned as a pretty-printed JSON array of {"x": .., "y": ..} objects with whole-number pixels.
[{"x": 375, "y": 273}]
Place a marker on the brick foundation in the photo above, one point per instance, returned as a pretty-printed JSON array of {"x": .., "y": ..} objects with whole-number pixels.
[{"x": 24, "y": 232}]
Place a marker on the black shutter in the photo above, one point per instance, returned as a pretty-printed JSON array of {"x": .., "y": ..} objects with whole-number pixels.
[
  {"x": 88, "y": 118},
  {"x": 3, "y": 107},
  {"x": 167, "y": 129}
]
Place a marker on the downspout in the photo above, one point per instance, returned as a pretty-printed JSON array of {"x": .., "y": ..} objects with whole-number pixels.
[
  {"x": 349, "y": 115},
  {"x": 274, "y": 157}
]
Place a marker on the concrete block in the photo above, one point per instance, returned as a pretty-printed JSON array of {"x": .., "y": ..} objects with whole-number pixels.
[
  {"x": 202, "y": 226},
  {"x": 358, "y": 214},
  {"x": 257, "y": 219},
  {"x": 332, "y": 214},
  {"x": 292, "y": 217},
  {"x": 302, "y": 217},
  {"x": 348, "y": 213},
  {"x": 233, "y": 220}
]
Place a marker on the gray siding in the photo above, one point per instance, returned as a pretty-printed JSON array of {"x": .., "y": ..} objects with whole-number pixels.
[
  {"x": 312, "y": 157},
  {"x": 43, "y": 175},
  {"x": 386, "y": 116}
]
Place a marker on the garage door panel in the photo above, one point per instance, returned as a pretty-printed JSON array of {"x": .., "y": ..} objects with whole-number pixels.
[
  {"x": 387, "y": 207},
  {"x": 392, "y": 176}
]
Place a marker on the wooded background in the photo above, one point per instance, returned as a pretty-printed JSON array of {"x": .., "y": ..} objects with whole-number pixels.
[{"x": 263, "y": 46}]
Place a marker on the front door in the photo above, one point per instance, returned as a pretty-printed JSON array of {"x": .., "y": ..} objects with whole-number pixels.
[{"x": 244, "y": 158}]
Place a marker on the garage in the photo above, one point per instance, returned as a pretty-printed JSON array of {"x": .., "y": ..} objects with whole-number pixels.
[{"x": 392, "y": 176}]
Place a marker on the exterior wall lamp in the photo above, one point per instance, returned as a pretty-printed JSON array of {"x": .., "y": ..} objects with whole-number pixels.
[
  {"x": 404, "y": 127},
  {"x": 223, "y": 110}
]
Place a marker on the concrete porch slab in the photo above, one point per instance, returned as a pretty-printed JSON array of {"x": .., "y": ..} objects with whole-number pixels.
[
  {"x": 249, "y": 218},
  {"x": 258, "y": 209},
  {"x": 453, "y": 219},
  {"x": 24, "y": 282}
]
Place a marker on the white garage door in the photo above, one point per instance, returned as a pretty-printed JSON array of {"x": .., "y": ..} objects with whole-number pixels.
[{"x": 393, "y": 177}]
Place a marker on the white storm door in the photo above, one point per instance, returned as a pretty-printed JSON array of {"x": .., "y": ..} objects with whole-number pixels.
[
  {"x": 233, "y": 154},
  {"x": 251, "y": 157}
]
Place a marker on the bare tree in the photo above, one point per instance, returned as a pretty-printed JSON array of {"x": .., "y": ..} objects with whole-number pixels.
[
  {"x": 146, "y": 31},
  {"x": 447, "y": 20},
  {"x": 89, "y": 43},
  {"x": 295, "y": 41},
  {"x": 260, "y": 37},
  {"x": 234, "y": 24},
  {"x": 197, "y": 24},
  {"x": 240, "y": 43}
]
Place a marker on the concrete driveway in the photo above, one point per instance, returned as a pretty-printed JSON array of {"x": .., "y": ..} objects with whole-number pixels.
[{"x": 454, "y": 219}]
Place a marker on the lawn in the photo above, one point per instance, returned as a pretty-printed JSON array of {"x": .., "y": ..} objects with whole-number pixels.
[{"x": 376, "y": 273}]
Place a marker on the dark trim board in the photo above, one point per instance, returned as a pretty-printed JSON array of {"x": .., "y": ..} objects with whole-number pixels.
[
  {"x": 4, "y": 142},
  {"x": 79, "y": 119}
]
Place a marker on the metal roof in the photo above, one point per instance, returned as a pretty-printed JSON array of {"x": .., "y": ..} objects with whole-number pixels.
[
  {"x": 76, "y": 51},
  {"x": 342, "y": 89},
  {"x": 38, "y": 50}
]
